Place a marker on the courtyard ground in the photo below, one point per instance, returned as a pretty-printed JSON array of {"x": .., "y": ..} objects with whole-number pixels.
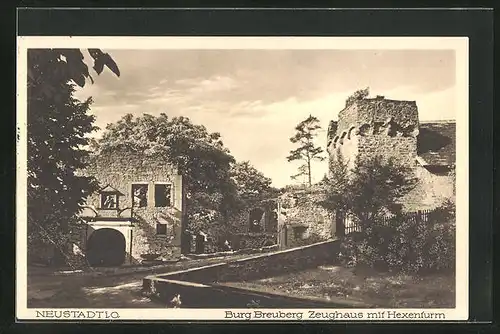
[
  {"x": 366, "y": 286},
  {"x": 102, "y": 288},
  {"x": 325, "y": 282}
]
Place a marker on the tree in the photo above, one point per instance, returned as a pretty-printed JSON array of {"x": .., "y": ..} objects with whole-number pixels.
[
  {"x": 370, "y": 191},
  {"x": 70, "y": 65},
  {"x": 251, "y": 185},
  {"x": 376, "y": 187},
  {"x": 57, "y": 128},
  {"x": 336, "y": 185},
  {"x": 216, "y": 185},
  {"x": 357, "y": 95},
  {"x": 389, "y": 239},
  {"x": 307, "y": 151},
  {"x": 200, "y": 157}
]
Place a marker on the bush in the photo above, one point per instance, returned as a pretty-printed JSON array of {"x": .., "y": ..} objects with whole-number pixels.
[{"x": 403, "y": 244}]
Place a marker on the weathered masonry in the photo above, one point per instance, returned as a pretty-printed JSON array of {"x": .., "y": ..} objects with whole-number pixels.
[
  {"x": 137, "y": 214},
  {"x": 376, "y": 126},
  {"x": 391, "y": 129}
]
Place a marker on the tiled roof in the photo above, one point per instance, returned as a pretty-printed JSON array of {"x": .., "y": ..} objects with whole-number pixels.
[{"x": 436, "y": 143}]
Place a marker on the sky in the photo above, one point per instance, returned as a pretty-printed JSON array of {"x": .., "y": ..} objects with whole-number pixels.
[{"x": 255, "y": 98}]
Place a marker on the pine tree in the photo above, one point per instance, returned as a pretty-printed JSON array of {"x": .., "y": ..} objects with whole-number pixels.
[{"x": 307, "y": 151}]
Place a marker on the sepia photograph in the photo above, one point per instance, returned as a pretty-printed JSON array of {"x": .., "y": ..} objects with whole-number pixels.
[{"x": 256, "y": 178}]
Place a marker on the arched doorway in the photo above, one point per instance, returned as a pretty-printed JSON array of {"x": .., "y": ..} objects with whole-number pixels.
[{"x": 106, "y": 248}]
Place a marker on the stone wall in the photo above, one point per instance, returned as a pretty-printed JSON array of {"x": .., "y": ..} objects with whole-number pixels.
[
  {"x": 263, "y": 265},
  {"x": 241, "y": 236},
  {"x": 306, "y": 222},
  {"x": 402, "y": 149},
  {"x": 377, "y": 126},
  {"x": 210, "y": 286},
  {"x": 119, "y": 170},
  {"x": 378, "y": 110}
]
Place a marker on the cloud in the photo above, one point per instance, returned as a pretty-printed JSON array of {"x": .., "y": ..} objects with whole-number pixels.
[{"x": 254, "y": 98}]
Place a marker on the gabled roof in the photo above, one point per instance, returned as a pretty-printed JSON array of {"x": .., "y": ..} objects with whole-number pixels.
[
  {"x": 436, "y": 143},
  {"x": 110, "y": 189}
]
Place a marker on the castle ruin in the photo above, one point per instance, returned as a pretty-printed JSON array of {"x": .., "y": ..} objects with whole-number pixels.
[{"x": 375, "y": 126}]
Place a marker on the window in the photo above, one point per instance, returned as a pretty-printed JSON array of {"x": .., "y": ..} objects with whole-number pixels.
[
  {"x": 161, "y": 229},
  {"x": 109, "y": 200},
  {"x": 139, "y": 195},
  {"x": 163, "y": 195},
  {"x": 299, "y": 232},
  {"x": 256, "y": 217}
]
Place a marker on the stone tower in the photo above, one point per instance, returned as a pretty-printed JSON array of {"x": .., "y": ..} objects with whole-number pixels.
[{"x": 375, "y": 126}]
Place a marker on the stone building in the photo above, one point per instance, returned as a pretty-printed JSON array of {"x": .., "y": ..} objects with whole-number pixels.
[
  {"x": 253, "y": 227},
  {"x": 391, "y": 129},
  {"x": 302, "y": 219},
  {"x": 136, "y": 215}
]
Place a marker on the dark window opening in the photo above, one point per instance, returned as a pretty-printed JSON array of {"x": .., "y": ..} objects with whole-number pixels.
[
  {"x": 140, "y": 195},
  {"x": 364, "y": 129},
  {"x": 256, "y": 218},
  {"x": 109, "y": 201},
  {"x": 299, "y": 231},
  {"x": 163, "y": 195},
  {"x": 378, "y": 127},
  {"x": 161, "y": 229}
]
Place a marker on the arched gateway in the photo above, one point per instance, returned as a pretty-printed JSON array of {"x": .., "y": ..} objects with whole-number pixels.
[
  {"x": 109, "y": 242},
  {"x": 106, "y": 247}
]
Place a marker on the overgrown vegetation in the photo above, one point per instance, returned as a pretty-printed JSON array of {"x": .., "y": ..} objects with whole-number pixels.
[
  {"x": 57, "y": 128},
  {"x": 405, "y": 244},
  {"x": 357, "y": 95},
  {"x": 370, "y": 191},
  {"x": 389, "y": 239},
  {"x": 216, "y": 185}
]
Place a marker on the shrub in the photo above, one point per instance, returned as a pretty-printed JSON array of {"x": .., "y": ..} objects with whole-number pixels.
[{"x": 405, "y": 244}]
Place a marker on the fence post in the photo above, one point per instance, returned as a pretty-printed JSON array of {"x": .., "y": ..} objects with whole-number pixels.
[{"x": 340, "y": 222}]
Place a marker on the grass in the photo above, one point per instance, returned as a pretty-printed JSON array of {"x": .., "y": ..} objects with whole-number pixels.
[{"x": 362, "y": 285}]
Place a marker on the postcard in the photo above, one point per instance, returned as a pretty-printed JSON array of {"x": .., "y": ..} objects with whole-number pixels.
[{"x": 242, "y": 178}]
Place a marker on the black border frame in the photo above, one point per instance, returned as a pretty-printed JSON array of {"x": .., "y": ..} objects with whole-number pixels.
[{"x": 475, "y": 23}]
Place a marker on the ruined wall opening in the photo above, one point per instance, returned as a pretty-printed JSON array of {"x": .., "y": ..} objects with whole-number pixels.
[
  {"x": 106, "y": 248},
  {"x": 364, "y": 129},
  {"x": 163, "y": 195},
  {"x": 139, "y": 195},
  {"x": 256, "y": 220}
]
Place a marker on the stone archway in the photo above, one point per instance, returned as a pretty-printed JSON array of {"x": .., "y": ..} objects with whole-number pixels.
[{"x": 106, "y": 247}]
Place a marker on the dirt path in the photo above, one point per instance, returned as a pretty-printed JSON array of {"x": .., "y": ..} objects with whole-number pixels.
[{"x": 118, "y": 291}]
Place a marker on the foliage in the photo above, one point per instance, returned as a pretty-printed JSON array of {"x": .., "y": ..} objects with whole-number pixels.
[
  {"x": 70, "y": 65},
  {"x": 336, "y": 186},
  {"x": 57, "y": 128},
  {"x": 389, "y": 239},
  {"x": 215, "y": 184},
  {"x": 369, "y": 191},
  {"x": 199, "y": 156},
  {"x": 306, "y": 131},
  {"x": 252, "y": 187},
  {"x": 405, "y": 244},
  {"x": 357, "y": 95}
]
